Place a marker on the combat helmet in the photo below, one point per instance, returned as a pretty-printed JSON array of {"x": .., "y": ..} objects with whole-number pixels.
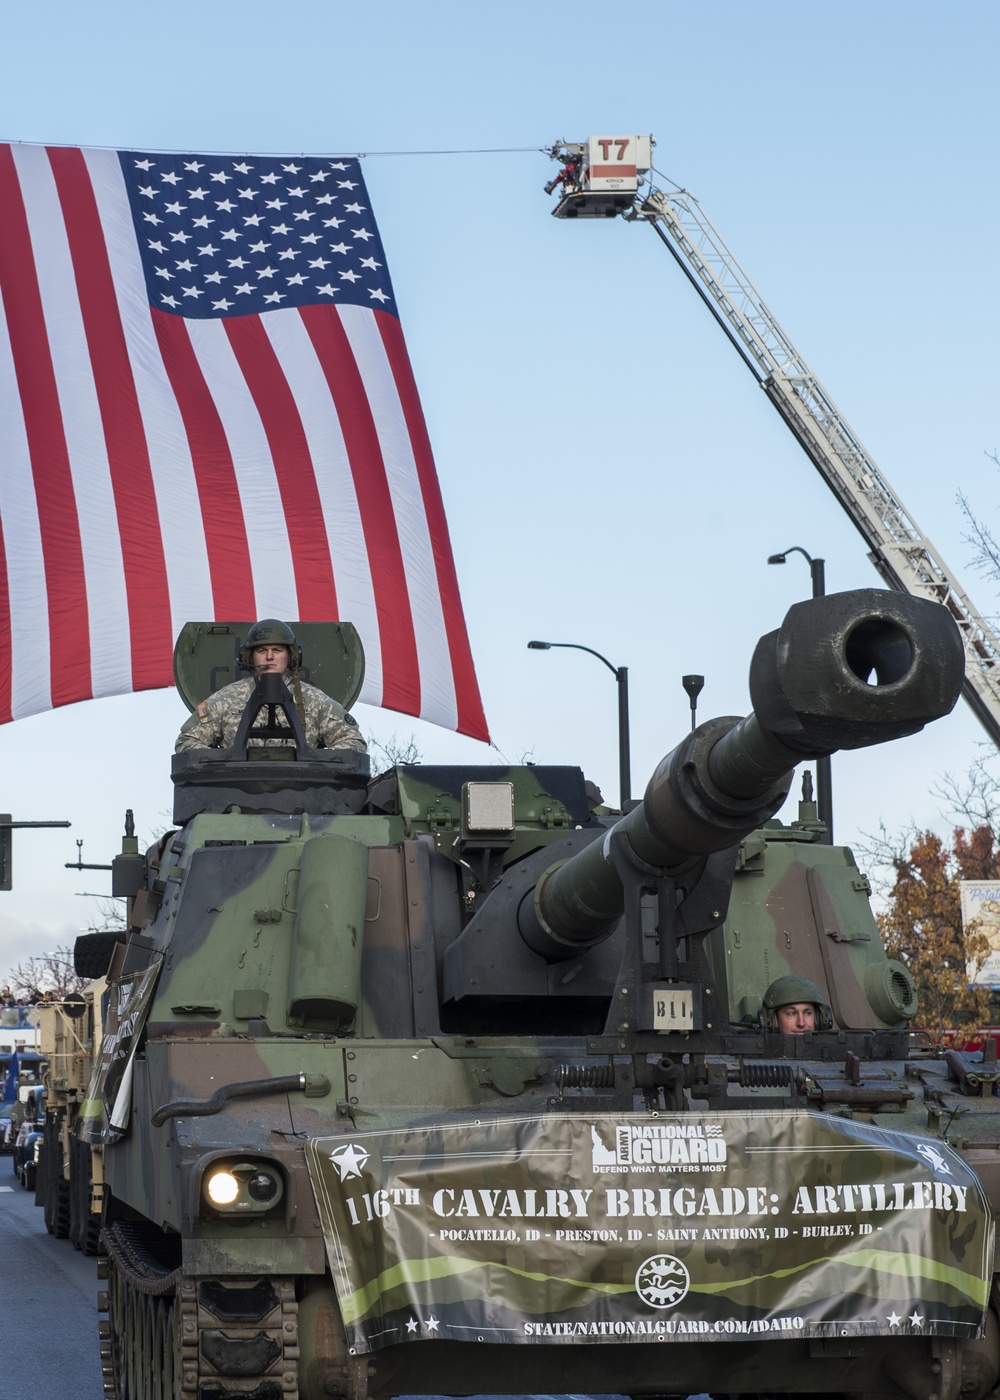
[
  {"x": 785, "y": 991},
  {"x": 270, "y": 630}
]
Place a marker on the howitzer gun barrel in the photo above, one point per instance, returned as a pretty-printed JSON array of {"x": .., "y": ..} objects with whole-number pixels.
[{"x": 845, "y": 671}]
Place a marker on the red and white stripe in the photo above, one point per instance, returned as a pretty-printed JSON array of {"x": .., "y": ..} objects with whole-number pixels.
[{"x": 158, "y": 470}]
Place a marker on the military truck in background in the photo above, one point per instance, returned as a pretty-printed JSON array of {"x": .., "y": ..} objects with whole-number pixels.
[
  {"x": 16, "y": 1039},
  {"x": 68, "y": 1182},
  {"x": 449, "y": 1082}
]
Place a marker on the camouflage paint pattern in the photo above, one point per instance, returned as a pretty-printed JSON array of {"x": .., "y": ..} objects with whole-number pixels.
[{"x": 798, "y": 906}]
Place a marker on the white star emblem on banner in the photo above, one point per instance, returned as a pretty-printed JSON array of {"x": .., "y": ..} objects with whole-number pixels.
[{"x": 349, "y": 1160}]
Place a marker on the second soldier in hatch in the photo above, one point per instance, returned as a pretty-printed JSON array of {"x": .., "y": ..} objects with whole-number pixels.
[
  {"x": 270, "y": 646},
  {"x": 794, "y": 1005}
]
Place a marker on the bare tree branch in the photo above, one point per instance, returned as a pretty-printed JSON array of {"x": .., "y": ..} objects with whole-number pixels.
[
  {"x": 111, "y": 914},
  {"x": 974, "y": 798},
  {"x": 49, "y": 972},
  {"x": 387, "y": 753},
  {"x": 985, "y": 549}
]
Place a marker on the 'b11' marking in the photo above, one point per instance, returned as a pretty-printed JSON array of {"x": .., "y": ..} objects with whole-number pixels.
[{"x": 673, "y": 1009}]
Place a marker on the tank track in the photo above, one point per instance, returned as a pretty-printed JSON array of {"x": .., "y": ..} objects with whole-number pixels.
[{"x": 169, "y": 1336}]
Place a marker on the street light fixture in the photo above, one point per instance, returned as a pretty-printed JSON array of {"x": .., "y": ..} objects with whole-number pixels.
[
  {"x": 620, "y": 674},
  {"x": 824, "y": 781},
  {"x": 817, "y": 567},
  {"x": 693, "y": 685}
]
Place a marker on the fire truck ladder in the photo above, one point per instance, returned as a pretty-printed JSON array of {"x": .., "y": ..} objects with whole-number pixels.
[
  {"x": 898, "y": 548},
  {"x": 601, "y": 178}
]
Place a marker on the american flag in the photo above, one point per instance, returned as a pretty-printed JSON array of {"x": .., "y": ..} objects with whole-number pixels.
[{"x": 207, "y": 412}]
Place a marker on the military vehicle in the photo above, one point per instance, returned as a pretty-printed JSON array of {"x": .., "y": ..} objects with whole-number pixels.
[
  {"x": 68, "y": 1183},
  {"x": 449, "y": 1082}
]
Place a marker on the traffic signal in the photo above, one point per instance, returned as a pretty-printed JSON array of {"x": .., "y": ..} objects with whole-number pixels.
[{"x": 6, "y": 850}]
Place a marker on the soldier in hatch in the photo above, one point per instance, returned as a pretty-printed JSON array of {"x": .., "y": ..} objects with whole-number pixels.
[
  {"x": 270, "y": 646},
  {"x": 794, "y": 1005}
]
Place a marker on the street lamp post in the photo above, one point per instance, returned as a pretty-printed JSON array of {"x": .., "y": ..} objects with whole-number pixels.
[
  {"x": 620, "y": 674},
  {"x": 824, "y": 781}
]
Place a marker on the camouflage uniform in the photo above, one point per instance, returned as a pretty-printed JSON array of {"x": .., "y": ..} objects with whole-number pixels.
[{"x": 216, "y": 720}]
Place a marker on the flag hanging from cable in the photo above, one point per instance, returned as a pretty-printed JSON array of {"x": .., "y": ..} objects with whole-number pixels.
[{"x": 207, "y": 411}]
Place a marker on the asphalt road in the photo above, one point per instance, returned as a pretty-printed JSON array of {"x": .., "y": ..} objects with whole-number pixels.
[{"x": 48, "y": 1305}]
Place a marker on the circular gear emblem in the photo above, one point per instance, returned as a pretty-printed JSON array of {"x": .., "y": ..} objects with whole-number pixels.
[{"x": 662, "y": 1281}]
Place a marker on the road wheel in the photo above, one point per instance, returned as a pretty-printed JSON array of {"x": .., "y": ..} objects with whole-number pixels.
[
  {"x": 159, "y": 1348},
  {"x": 162, "y": 1346},
  {"x": 145, "y": 1343},
  {"x": 116, "y": 1286},
  {"x": 166, "y": 1347},
  {"x": 130, "y": 1300},
  {"x": 148, "y": 1383}
]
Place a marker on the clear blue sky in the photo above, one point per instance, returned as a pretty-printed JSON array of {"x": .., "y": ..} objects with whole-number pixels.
[{"x": 611, "y": 472}]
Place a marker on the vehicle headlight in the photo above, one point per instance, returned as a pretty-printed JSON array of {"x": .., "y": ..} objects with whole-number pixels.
[
  {"x": 222, "y": 1188},
  {"x": 243, "y": 1186}
]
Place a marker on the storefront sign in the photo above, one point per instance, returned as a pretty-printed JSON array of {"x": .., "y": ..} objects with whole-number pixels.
[{"x": 981, "y": 914}]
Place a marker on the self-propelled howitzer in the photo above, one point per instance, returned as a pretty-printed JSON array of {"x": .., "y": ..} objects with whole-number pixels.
[
  {"x": 845, "y": 671},
  {"x": 410, "y": 1083}
]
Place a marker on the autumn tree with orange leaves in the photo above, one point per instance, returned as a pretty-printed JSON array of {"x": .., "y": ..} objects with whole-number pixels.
[{"x": 922, "y": 923}]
